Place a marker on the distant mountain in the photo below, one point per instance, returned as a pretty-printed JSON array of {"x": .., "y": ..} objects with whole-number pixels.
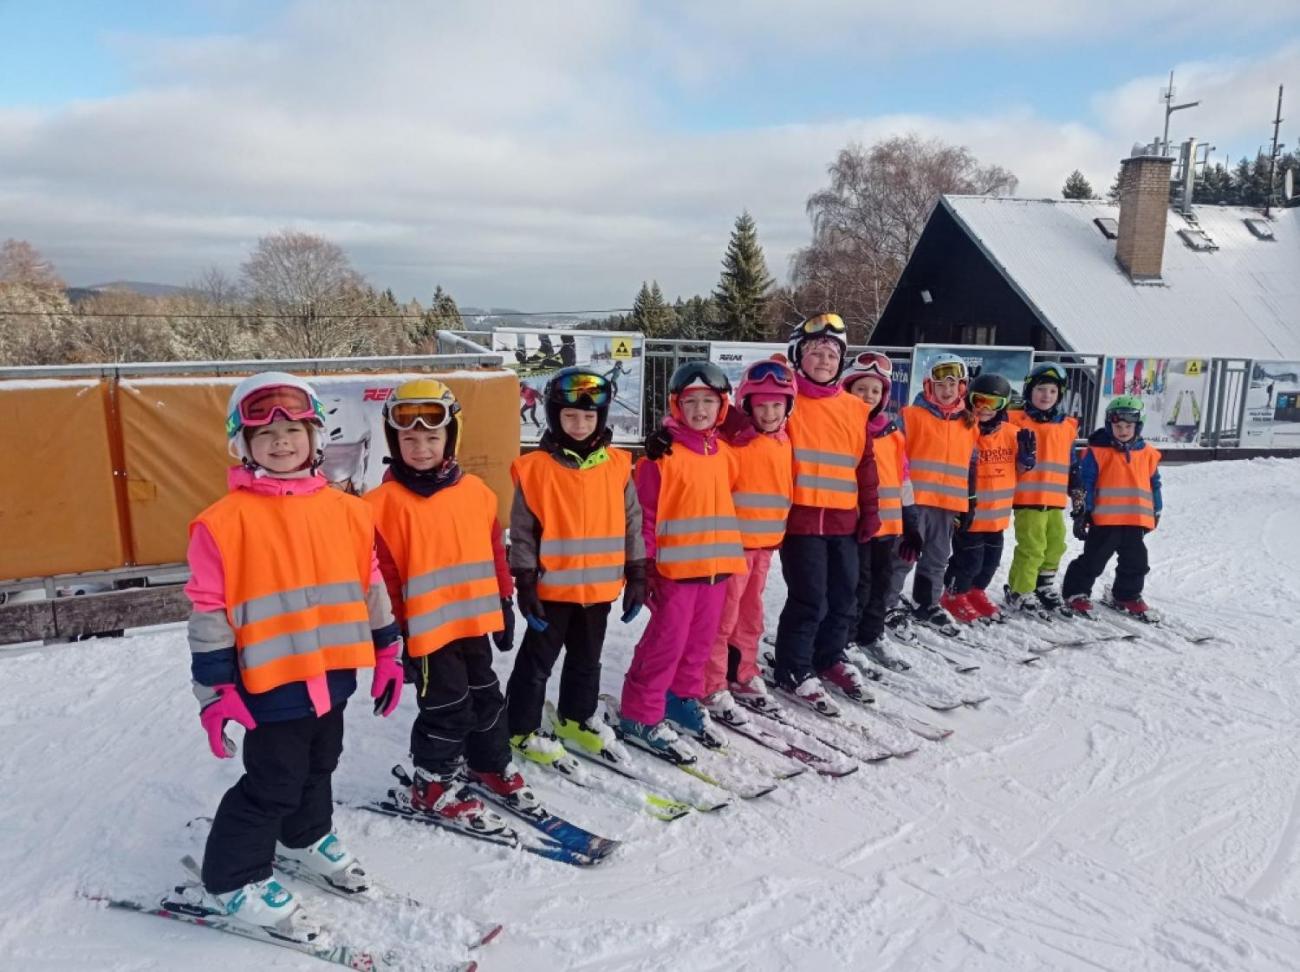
[{"x": 143, "y": 288}]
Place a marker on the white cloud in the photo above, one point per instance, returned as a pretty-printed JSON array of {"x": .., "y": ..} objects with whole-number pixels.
[{"x": 518, "y": 153}]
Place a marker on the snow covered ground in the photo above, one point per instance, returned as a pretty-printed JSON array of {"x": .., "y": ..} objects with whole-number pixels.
[{"x": 1133, "y": 805}]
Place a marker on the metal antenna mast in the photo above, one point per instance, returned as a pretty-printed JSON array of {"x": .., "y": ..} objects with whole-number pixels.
[
  {"x": 1272, "y": 162},
  {"x": 1167, "y": 96}
]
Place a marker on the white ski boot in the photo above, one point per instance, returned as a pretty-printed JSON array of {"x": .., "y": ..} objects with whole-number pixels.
[
  {"x": 813, "y": 694},
  {"x": 331, "y": 861},
  {"x": 723, "y": 708},
  {"x": 267, "y": 906}
]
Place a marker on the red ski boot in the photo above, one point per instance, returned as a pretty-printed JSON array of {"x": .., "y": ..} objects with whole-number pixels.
[
  {"x": 986, "y": 609},
  {"x": 507, "y": 788},
  {"x": 441, "y": 796},
  {"x": 960, "y": 608}
]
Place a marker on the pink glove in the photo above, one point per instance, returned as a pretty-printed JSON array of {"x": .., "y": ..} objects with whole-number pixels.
[
  {"x": 228, "y": 707},
  {"x": 386, "y": 686}
]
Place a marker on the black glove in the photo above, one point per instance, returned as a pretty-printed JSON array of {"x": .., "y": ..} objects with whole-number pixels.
[
  {"x": 909, "y": 548},
  {"x": 1081, "y": 525},
  {"x": 1157, "y": 523},
  {"x": 1026, "y": 448},
  {"x": 658, "y": 444},
  {"x": 505, "y": 638},
  {"x": 962, "y": 521},
  {"x": 635, "y": 590},
  {"x": 530, "y": 605}
]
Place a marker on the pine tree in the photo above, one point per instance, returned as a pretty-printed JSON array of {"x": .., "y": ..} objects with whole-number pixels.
[
  {"x": 651, "y": 314},
  {"x": 1112, "y": 194},
  {"x": 1077, "y": 187},
  {"x": 742, "y": 290}
]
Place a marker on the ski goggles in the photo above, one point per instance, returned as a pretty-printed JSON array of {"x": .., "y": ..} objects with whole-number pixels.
[
  {"x": 994, "y": 403},
  {"x": 432, "y": 413},
  {"x": 1049, "y": 373},
  {"x": 778, "y": 371},
  {"x": 583, "y": 388},
  {"x": 1124, "y": 415},
  {"x": 948, "y": 371},
  {"x": 872, "y": 363},
  {"x": 262, "y": 406},
  {"x": 823, "y": 323}
]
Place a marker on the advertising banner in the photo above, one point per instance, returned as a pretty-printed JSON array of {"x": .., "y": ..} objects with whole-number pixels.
[
  {"x": 733, "y": 357},
  {"x": 1272, "y": 405},
  {"x": 535, "y": 355},
  {"x": 1011, "y": 363},
  {"x": 1173, "y": 393}
]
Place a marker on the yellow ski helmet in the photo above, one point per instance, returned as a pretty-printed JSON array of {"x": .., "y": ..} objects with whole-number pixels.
[{"x": 424, "y": 401}]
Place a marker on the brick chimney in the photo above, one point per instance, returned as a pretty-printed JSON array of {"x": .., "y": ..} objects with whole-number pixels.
[{"x": 1143, "y": 211}]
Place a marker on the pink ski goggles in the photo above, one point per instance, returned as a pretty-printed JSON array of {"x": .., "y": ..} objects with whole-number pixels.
[{"x": 262, "y": 406}]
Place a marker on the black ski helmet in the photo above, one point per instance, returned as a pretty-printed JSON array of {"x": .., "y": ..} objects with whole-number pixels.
[
  {"x": 698, "y": 374},
  {"x": 988, "y": 383},
  {"x": 557, "y": 395}
]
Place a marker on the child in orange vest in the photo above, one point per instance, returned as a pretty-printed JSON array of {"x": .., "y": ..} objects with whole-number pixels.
[
  {"x": 281, "y": 623},
  {"x": 441, "y": 554},
  {"x": 1119, "y": 503},
  {"x": 1004, "y": 452},
  {"x": 693, "y": 544},
  {"x": 575, "y": 537},
  {"x": 1042, "y": 494},
  {"x": 941, "y": 456},
  {"x": 762, "y": 498}
]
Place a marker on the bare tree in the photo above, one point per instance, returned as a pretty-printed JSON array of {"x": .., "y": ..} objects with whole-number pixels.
[
  {"x": 867, "y": 221},
  {"x": 209, "y": 320},
  {"x": 312, "y": 297},
  {"x": 120, "y": 325},
  {"x": 35, "y": 314},
  {"x": 22, "y": 263}
]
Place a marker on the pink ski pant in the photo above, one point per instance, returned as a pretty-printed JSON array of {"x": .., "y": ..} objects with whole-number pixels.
[{"x": 742, "y": 623}]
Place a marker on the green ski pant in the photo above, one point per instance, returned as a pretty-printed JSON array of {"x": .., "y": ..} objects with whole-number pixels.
[{"x": 1040, "y": 545}]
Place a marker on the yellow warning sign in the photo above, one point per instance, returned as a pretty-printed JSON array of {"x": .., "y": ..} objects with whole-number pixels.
[
  {"x": 621, "y": 349},
  {"x": 1193, "y": 367}
]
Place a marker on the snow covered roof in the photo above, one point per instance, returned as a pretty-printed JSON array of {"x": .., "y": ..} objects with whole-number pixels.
[{"x": 1239, "y": 300}]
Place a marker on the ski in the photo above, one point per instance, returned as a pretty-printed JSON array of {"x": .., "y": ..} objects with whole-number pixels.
[
  {"x": 910, "y": 685},
  {"x": 566, "y": 834},
  {"x": 659, "y": 807},
  {"x": 347, "y": 955},
  {"x": 638, "y": 775},
  {"x": 822, "y": 765},
  {"x": 795, "y": 718}
]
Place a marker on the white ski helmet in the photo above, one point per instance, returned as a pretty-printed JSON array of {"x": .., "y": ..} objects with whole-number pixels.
[{"x": 236, "y": 443}]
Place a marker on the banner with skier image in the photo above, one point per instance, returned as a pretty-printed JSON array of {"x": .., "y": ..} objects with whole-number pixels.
[
  {"x": 1012, "y": 363},
  {"x": 1173, "y": 393},
  {"x": 733, "y": 357},
  {"x": 1272, "y": 417},
  {"x": 535, "y": 355}
]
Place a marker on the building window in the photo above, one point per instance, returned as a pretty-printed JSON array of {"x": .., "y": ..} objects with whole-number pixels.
[
  {"x": 977, "y": 334},
  {"x": 1109, "y": 227}
]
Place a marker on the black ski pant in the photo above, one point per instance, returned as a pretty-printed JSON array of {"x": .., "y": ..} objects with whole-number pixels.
[
  {"x": 284, "y": 795},
  {"x": 875, "y": 571},
  {"x": 821, "y": 576},
  {"x": 461, "y": 706},
  {"x": 578, "y": 630},
  {"x": 974, "y": 561},
  {"x": 1103, "y": 542}
]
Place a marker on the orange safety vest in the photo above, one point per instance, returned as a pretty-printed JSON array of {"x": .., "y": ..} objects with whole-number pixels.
[
  {"x": 583, "y": 541},
  {"x": 995, "y": 480},
  {"x": 1048, "y": 483},
  {"x": 296, "y": 573},
  {"x": 890, "y": 447},
  {"x": 764, "y": 486},
  {"x": 829, "y": 436},
  {"x": 697, "y": 534},
  {"x": 442, "y": 546},
  {"x": 939, "y": 455},
  {"x": 1123, "y": 492}
]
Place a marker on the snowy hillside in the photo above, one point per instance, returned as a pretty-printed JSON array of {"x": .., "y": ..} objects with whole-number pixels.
[{"x": 1130, "y": 805}]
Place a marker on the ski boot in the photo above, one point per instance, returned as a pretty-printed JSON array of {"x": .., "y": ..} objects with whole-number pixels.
[
  {"x": 898, "y": 621},
  {"x": 1048, "y": 597},
  {"x": 813, "y": 694},
  {"x": 545, "y": 750},
  {"x": 593, "y": 737},
  {"x": 438, "y": 795},
  {"x": 509, "y": 787},
  {"x": 959, "y": 606},
  {"x": 977, "y": 598},
  {"x": 723, "y": 708},
  {"x": 1021, "y": 604},
  {"x": 846, "y": 677},
  {"x": 1133, "y": 607},
  {"x": 265, "y": 905},
  {"x": 658, "y": 739},
  {"x": 690, "y": 716},
  {"x": 1079, "y": 604},
  {"x": 753, "y": 695},
  {"x": 332, "y": 861},
  {"x": 876, "y": 652},
  {"x": 933, "y": 616}
]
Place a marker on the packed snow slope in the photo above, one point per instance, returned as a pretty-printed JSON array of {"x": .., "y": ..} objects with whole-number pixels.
[{"x": 1130, "y": 805}]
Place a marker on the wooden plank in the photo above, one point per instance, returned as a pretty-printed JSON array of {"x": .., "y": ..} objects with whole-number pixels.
[
  {"x": 133, "y": 608},
  {"x": 26, "y": 621}
]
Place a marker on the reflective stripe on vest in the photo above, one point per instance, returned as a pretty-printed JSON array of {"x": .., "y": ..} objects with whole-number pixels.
[
  {"x": 297, "y": 606},
  {"x": 1048, "y": 483},
  {"x": 1123, "y": 495},
  {"x": 996, "y": 478},
  {"x": 829, "y": 436},
  {"x": 939, "y": 455},
  {"x": 889, "y": 449},
  {"x": 582, "y": 518},
  {"x": 763, "y": 490},
  {"x": 697, "y": 533},
  {"x": 442, "y": 546}
]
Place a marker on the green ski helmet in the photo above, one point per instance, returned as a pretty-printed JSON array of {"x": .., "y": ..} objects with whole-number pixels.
[{"x": 1125, "y": 408}]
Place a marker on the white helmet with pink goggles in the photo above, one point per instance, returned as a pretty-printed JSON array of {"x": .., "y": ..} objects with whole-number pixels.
[
  {"x": 264, "y": 398},
  {"x": 771, "y": 376},
  {"x": 872, "y": 364}
]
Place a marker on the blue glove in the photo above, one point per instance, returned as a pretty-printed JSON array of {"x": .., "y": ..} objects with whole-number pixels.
[
  {"x": 1026, "y": 449},
  {"x": 530, "y": 605}
]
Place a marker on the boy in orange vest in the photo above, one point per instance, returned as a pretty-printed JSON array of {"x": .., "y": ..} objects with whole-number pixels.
[
  {"x": 692, "y": 541},
  {"x": 1004, "y": 452},
  {"x": 1042, "y": 494},
  {"x": 941, "y": 435},
  {"x": 441, "y": 554},
  {"x": 575, "y": 537},
  {"x": 1119, "y": 503},
  {"x": 762, "y": 498},
  {"x": 281, "y": 623}
]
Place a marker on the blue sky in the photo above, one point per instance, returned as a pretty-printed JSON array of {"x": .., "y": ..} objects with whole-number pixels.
[{"x": 535, "y": 153}]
